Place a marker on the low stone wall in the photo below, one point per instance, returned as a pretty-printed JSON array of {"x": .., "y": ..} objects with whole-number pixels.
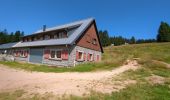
[{"x": 5, "y": 57}]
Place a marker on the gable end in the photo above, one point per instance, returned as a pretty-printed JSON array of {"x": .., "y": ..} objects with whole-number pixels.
[{"x": 90, "y": 38}]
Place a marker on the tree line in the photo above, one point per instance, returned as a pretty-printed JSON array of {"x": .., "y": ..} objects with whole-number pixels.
[
  {"x": 162, "y": 36},
  {"x": 106, "y": 40},
  {"x": 6, "y": 37}
]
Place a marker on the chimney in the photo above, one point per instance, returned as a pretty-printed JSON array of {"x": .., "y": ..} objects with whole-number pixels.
[{"x": 44, "y": 28}]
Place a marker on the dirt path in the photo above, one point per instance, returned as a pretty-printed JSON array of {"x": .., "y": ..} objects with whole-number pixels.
[
  {"x": 62, "y": 83},
  {"x": 166, "y": 64}
]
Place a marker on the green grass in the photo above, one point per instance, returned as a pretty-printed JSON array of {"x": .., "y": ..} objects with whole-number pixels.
[
  {"x": 11, "y": 96},
  {"x": 111, "y": 58},
  {"x": 44, "y": 68},
  {"x": 151, "y": 51}
]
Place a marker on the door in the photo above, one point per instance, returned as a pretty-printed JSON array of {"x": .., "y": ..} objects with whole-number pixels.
[{"x": 36, "y": 55}]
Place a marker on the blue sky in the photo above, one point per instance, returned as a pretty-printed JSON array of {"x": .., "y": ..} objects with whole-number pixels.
[{"x": 139, "y": 18}]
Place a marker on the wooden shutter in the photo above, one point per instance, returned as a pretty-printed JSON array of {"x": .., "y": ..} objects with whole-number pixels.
[
  {"x": 17, "y": 53},
  {"x": 97, "y": 57},
  {"x": 88, "y": 58},
  {"x": 84, "y": 57},
  {"x": 46, "y": 54},
  {"x": 77, "y": 55},
  {"x": 64, "y": 54},
  {"x": 93, "y": 57}
]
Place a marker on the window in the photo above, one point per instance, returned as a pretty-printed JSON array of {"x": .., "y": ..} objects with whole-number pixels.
[
  {"x": 94, "y": 41},
  {"x": 25, "y": 40},
  {"x": 56, "y": 36},
  {"x": 51, "y": 36},
  {"x": 15, "y": 53},
  {"x": 39, "y": 37},
  {"x": 21, "y": 53},
  {"x": 52, "y": 54},
  {"x": 55, "y": 54},
  {"x": 91, "y": 57},
  {"x": 58, "y": 54},
  {"x": 64, "y": 34},
  {"x": 32, "y": 38},
  {"x": 79, "y": 55},
  {"x": 60, "y": 35},
  {"x": 47, "y": 37}
]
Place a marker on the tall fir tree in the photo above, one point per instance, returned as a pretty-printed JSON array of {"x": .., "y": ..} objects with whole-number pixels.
[
  {"x": 132, "y": 40},
  {"x": 104, "y": 38},
  {"x": 163, "y": 32}
]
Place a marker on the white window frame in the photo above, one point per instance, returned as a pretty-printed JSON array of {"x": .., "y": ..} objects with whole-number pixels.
[
  {"x": 82, "y": 57},
  {"x": 60, "y": 35},
  {"x": 91, "y": 57},
  {"x": 50, "y": 54},
  {"x": 55, "y": 55},
  {"x": 22, "y": 55}
]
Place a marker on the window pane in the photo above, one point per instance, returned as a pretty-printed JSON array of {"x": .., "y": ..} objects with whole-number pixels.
[
  {"x": 80, "y": 55},
  {"x": 58, "y": 54},
  {"x": 64, "y": 35},
  {"x": 22, "y": 53},
  {"x": 90, "y": 56},
  {"x": 94, "y": 41},
  {"x": 51, "y": 36},
  {"x": 60, "y": 35},
  {"x": 52, "y": 54}
]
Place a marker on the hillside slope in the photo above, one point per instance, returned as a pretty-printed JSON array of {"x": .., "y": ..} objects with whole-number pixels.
[{"x": 150, "y": 51}]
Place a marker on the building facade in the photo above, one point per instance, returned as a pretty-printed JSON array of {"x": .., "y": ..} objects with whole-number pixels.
[{"x": 65, "y": 45}]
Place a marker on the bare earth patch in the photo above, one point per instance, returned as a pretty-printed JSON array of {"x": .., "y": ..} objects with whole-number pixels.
[
  {"x": 154, "y": 79},
  {"x": 74, "y": 83}
]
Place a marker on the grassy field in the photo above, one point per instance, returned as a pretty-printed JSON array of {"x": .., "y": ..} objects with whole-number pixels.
[
  {"x": 112, "y": 57},
  {"x": 150, "y": 56}
]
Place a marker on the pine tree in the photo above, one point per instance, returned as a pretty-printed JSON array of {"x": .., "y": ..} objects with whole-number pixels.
[
  {"x": 104, "y": 38},
  {"x": 163, "y": 33},
  {"x": 132, "y": 40},
  {"x": 18, "y": 35},
  {"x": 5, "y": 37}
]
